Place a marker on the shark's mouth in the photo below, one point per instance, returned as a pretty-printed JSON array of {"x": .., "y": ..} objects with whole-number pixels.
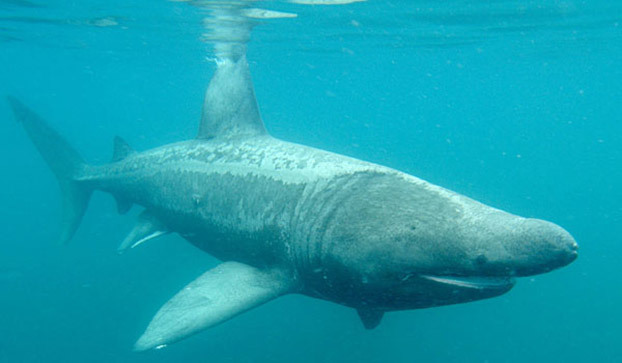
[{"x": 474, "y": 282}]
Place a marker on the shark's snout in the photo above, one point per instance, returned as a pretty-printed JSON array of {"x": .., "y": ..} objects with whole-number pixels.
[{"x": 542, "y": 247}]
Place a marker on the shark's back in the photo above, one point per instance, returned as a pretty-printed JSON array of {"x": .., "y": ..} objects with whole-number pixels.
[{"x": 232, "y": 197}]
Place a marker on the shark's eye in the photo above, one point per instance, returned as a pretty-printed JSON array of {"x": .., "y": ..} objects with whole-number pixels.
[{"x": 481, "y": 259}]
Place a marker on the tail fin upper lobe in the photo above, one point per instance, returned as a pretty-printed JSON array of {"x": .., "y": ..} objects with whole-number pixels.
[{"x": 65, "y": 163}]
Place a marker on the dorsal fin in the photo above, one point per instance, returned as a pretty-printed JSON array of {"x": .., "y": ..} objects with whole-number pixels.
[
  {"x": 121, "y": 149},
  {"x": 230, "y": 108}
]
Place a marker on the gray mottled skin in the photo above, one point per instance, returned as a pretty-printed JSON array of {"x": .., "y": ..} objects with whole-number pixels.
[
  {"x": 301, "y": 220},
  {"x": 333, "y": 221}
]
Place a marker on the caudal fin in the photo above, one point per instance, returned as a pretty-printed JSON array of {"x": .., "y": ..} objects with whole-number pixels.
[{"x": 65, "y": 163}]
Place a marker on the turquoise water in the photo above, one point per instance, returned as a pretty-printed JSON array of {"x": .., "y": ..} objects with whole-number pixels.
[{"x": 513, "y": 103}]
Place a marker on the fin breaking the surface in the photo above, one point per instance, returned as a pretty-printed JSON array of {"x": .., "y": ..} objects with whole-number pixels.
[
  {"x": 230, "y": 108},
  {"x": 147, "y": 228},
  {"x": 218, "y": 295},
  {"x": 370, "y": 318},
  {"x": 325, "y": 2},
  {"x": 65, "y": 163}
]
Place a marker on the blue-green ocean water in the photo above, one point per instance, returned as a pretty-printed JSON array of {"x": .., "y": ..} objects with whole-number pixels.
[{"x": 514, "y": 103}]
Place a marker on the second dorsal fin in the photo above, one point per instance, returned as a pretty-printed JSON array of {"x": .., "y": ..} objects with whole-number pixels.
[
  {"x": 121, "y": 149},
  {"x": 230, "y": 107}
]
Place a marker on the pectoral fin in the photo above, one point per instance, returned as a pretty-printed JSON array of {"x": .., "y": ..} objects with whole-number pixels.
[
  {"x": 147, "y": 227},
  {"x": 216, "y": 296}
]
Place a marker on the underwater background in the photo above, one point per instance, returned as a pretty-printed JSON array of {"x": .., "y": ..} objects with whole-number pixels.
[{"x": 514, "y": 103}]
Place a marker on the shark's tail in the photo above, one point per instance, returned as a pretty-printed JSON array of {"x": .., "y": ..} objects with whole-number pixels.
[{"x": 65, "y": 163}]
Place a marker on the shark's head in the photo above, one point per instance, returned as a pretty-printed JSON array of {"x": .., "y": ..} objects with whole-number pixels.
[{"x": 407, "y": 244}]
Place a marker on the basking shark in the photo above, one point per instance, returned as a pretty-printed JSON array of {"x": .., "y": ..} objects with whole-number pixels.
[
  {"x": 287, "y": 218},
  {"x": 291, "y": 219}
]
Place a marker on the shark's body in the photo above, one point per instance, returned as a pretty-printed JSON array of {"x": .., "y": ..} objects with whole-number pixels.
[{"x": 294, "y": 219}]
